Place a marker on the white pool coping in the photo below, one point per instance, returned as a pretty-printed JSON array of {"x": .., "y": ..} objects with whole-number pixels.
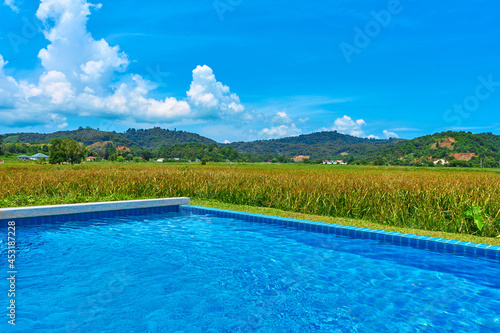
[{"x": 38, "y": 211}]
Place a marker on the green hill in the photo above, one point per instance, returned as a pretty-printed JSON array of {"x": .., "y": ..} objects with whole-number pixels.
[
  {"x": 157, "y": 137},
  {"x": 87, "y": 135},
  {"x": 454, "y": 148},
  {"x": 134, "y": 139},
  {"x": 471, "y": 149},
  {"x": 317, "y": 145}
]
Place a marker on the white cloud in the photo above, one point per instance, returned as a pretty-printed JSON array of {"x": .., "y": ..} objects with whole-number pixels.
[
  {"x": 281, "y": 118},
  {"x": 129, "y": 100},
  {"x": 55, "y": 85},
  {"x": 8, "y": 87},
  {"x": 346, "y": 125},
  {"x": 56, "y": 121},
  {"x": 371, "y": 136},
  {"x": 280, "y": 131},
  {"x": 390, "y": 134},
  {"x": 78, "y": 77},
  {"x": 281, "y": 126},
  {"x": 11, "y": 4},
  {"x": 211, "y": 98},
  {"x": 72, "y": 49}
]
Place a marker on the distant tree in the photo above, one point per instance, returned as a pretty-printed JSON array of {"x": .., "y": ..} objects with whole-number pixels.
[
  {"x": 146, "y": 155},
  {"x": 66, "y": 150},
  {"x": 212, "y": 147},
  {"x": 75, "y": 151},
  {"x": 378, "y": 161},
  {"x": 203, "y": 161},
  {"x": 57, "y": 153},
  {"x": 490, "y": 162},
  {"x": 120, "y": 159},
  {"x": 459, "y": 163},
  {"x": 1, "y": 145}
]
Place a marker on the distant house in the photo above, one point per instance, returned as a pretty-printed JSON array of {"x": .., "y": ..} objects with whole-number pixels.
[
  {"x": 90, "y": 159},
  {"x": 38, "y": 156},
  {"x": 334, "y": 162},
  {"x": 440, "y": 162},
  {"x": 23, "y": 157},
  {"x": 160, "y": 160},
  {"x": 198, "y": 160}
]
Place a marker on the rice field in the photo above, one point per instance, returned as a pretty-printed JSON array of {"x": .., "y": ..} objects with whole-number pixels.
[{"x": 430, "y": 199}]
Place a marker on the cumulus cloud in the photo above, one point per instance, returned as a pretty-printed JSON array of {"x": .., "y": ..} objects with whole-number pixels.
[
  {"x": 346, "y": 125},
  {"x": 85, "y": 77},
  {"x": 8, "y": 86},
  {"x": 371, "y": 136},
  {"x": 72, "y": 49},
  {"x": 390, "y": 134},
  {"x": 280, "y": 131},
  {"x": 210, "y": 97},
  {"x": 55, "y": 85},
  {"x": 282, "y": 126}
]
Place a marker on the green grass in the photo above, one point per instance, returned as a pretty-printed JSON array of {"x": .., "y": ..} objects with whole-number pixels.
[{"x": 344, "y": 221}]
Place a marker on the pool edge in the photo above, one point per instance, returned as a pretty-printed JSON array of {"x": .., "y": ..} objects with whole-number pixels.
[
  {"x": 434, "y": 244},
  {"x": 82, "y": 208}
]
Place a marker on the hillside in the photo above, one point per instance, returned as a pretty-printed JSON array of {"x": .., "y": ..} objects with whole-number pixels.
[
  {"x": 138, "y": 139},
  {"x": 461, "y": 146},
  {"x": 317, "y": 145},
  {"x": 454, "y": 148},
  {"x": 157, "y": 137},
  {"x": 87, "y": 135}
]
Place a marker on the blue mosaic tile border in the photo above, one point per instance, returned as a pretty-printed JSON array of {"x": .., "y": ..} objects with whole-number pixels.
[
  {"x": 442, "y": 245},
  {"x": 51, "y": 219}
]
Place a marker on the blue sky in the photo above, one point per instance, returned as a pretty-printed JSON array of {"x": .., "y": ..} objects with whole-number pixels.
[{"x": 250, "y": 69}]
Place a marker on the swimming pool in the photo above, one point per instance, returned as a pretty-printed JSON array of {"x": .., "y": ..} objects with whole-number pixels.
[{"x": 190, "y": 269}]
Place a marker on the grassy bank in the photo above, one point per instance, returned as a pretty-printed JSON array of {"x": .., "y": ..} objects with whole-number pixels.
[
  {"x": 344, "y": 221},
  {"x": 426, "y": 199}
]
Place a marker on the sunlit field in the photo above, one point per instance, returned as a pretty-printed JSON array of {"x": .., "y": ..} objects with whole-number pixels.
[{"x": 431, "y": 199}]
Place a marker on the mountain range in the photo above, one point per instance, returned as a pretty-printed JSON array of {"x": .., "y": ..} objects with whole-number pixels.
[{"x": 320, "y": 145}]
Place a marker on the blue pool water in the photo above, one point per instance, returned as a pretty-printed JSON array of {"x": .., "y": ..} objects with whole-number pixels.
[{"x": 180, "y": 272}]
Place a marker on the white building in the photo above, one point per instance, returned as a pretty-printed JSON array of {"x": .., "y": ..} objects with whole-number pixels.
[{"x": 440, "y": 162}]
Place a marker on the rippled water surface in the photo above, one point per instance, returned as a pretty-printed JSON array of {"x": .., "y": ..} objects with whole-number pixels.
[{"x": 194, "y": 273}]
